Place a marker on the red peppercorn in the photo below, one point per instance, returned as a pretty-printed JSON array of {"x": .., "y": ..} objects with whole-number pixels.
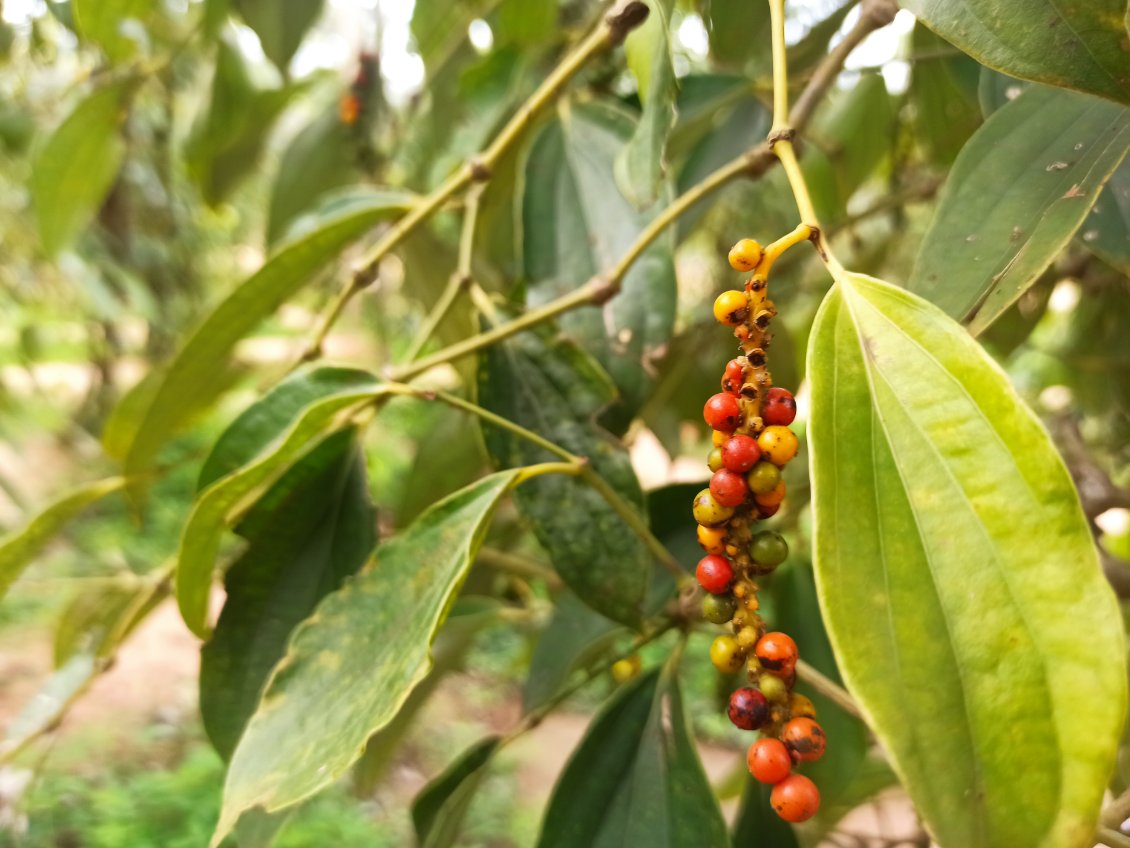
[
  {"x": 748, "y": 708},
  {"x": 805, "y": 739},
  {"x": 722, "y": 412},
  {"x": 728, "y": 488},
  {"x": 779, "y": 407},
  {"x": 768, "y": 511},
  {"x": 740, "y": 453},
  {"x": 795, "y": 798},
  {"x": 777, "y": 653},
  {"x": 769, "y": 761},
  {"x": 714, "y": 573},
  {"x": 734, "y": 376}
]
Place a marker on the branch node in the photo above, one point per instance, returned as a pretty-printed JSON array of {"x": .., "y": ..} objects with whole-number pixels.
[
  {"x": 462, "y": 280},
  {"x": 603, "y": 290},
  {"x": 783, "y": 134},
  {"x": 479, "y": 170},
  {"x": 816, "y": 237},
  {"x": 623, "y": 19},
  {"x": 364, "y": 277},
  {"x": 311, "y": 353}
]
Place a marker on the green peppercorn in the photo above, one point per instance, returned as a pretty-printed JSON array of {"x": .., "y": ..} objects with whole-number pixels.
[
  {"x": 763, "y": 478},
  {"x": 769, "y": 548},
  {"x": 718, "y": 609}
]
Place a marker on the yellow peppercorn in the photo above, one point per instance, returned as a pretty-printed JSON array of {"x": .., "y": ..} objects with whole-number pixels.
[
  {"x": 778, "y": 444},
  {"x": 731, "y": 308},
  {"x": 726, "y": 655},
  {"x": 801, "y": 707},
  {"x": 712, "y": 539},
  {"x": 626, "y": 669},
  {"x": 719, "y": 438},
  {"x": 772, "y": 498},
  {"x": 745, "y": 255}
]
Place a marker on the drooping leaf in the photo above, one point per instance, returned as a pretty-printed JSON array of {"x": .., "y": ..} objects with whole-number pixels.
[
  {"x": 226, "y": 501},
  {"x": 527, "y": 23},
  {"x": 551, "y": 386},
  {"x": 352, "y": 664},
  {"x": 280, "y": 24},
  {"x": 1016, "y": 195},
  {"x": 576, "y": 224},
  {"x": 1106, "y": 231},
  {"x": 75, "y": 169},
  {"x": 640, "y": 166},
  {"x": 117, "y": 26},
  {"x": 953, "y": 566},
  {"x": 193, "y": 379},
  {"x": 1060, "y": 42},
  {"x": 19, "y": 547},
  {"x": 310, "y": 531},
  {"x": 944, "y": 93},
  {"x": 636, "y": 778},
  {"x": 438, "y": 811}
]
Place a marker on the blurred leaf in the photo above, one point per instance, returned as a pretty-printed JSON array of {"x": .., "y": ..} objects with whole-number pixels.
[
  {"x": 943, "y": 91},
  {"x": 440, "y": 26},
  {"x": 576, "y": 224},
  {"x": 61, "y": 689},
  {"x": 280, "y": 24},
  {"x": 19, "y": 547},
  {"x": 872, "y": 777},
  {"x": 449, "y": 455},
  {"x": 227, "y": 500},
  {"x": 573, "y": 635},
  {"x": 117, "y": 26},
  {"x": 640, "y": 165},
  {"x": 757, "y": 824},
  {"x": 636, "y": 778},
  {"x": 738, "y": 30},
  {"x": 193, "y": 380},
  {"x": 953, "y": 565},
  {"x": 1106, "y": 230},
  {"x": 76, "y": 167},
  {"x": 440, "y": 807},
  {"x": 321, "y": 704},
  {"x": 527, "y": 23},
  {"x": 552, "y": 387},
  {"x": 96, "y": 620},
  {"x": 1017, "y": 193},
  {"x": 313, "y": 528},
  {"x": 807, "y": 52},
  {"x": 1072, "y": 45},
  {"x": 995, "y": 89}
]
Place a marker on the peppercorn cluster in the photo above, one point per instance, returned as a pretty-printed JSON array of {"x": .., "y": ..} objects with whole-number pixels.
[{"x": 752, "y": 443}]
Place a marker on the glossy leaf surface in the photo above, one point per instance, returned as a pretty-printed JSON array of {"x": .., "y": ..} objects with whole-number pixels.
[{"x": 954, "y": 566}]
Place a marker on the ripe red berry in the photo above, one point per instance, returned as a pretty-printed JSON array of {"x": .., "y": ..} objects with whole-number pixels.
[
  {"x": 728, "y": 488},
  {"x": 740, "y": 453},
  {"x": 734, "y": 376},
  {"x": 748, "y": 708},
  {"x": 777, "y": 652},
  {"x": 805, "y": 739},
  {"x": 714, "y": 573},
  {"x": 769, "y": 761},
  {"x": 768, "y": 511},
  {"x": 795, "y": 798},
  {"x": 779, "y": 407},
  {"x": 722, "y": 412}
]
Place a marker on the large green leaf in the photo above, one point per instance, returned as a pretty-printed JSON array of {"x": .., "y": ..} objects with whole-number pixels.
[
  {"x": 227, "y": 500},
  {"x": 352, "y": 664},
  {"x": 954, "y": 568},
  {"x": 1017, "y": 193},
  {"x": 636, "y": 778},
  {"x": 757, "y": 824},
  {"x": 113, "y": 24},
  {"x": 280, "y": 24},
  {"x": 1061, "y": 42},
  {"x": 640, "y": 166},
  {"x": 551, "y": 386},
  {"x": 576, "y": 224},
  {"x": 439, "y": 809},
  {"x": 1106, "y": 232},
  {"x": 193, "y": 379},
  {"x": 943, "y": 91},
  {"x": 310, "y": 531},
  {"x": 74, "y": 170},
  {"x": 19, "y": 547}
]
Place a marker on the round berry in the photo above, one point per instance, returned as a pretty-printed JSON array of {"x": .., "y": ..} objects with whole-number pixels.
[
  {"x": 748, "y": 708},
  {"x": 795, "y": 798},
  {"x": 626, "y": 669},
  {"x": 779, "y": 407},
  {"x": 714, "y": 573},
  {"x": 712, "y": 539},
  {"x": 747, "y": 637},
  {"x": 769, "y": 760},
  {"x": 804, "y": 738},
  {"x": 734, "y": 377},
  {"x": 718, "y": 609},
  {"x": 769, "y": 548},
  {"x": 773, "y": 498},
  {"x": 731, "y": 308},
  {"x": 762, "y": 478},
  {"x": 726, "y": 655},
  {"x": 745, "y": 255},
  {"x": 723, "y": 412},
  {"x": 767, "y": 511},
  {"x": 740, "y": 453},
  {"x": 708, "y": 511},
  {"x": 777, "y": 652},
  {"x": 801, "y": 707},
  {"x": 718, "y": 437},
  {"x": 714, "y": 459},
  {"x": 778, "y": 444},
  {"x": 728, "y": 488},
  {"x": 772, "y": 687}
]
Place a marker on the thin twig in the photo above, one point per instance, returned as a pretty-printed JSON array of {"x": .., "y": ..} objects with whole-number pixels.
[
  {"x": 1112, "y": 838},
  {"x": 519, "y": 565},
  {"x": 828, "y": 688}
]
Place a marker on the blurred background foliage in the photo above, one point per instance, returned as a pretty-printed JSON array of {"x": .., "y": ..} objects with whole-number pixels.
[{"x": 154, "y": 152}]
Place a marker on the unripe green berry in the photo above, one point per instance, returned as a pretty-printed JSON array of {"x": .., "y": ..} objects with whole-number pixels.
[
  {"x": 718, "y": 609},
  {"x": 769, "y": 548},
  {"x": 708, "y": 512},
  {"x": 714, "y": 460},
  {"x": 763, "y": 478},
  {"x": 773, "y": 688}
]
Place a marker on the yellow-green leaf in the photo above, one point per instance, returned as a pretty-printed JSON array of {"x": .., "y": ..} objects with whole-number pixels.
[
  {"x": 352, "y": 664},
  {"x": 958, "y": 578}
]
